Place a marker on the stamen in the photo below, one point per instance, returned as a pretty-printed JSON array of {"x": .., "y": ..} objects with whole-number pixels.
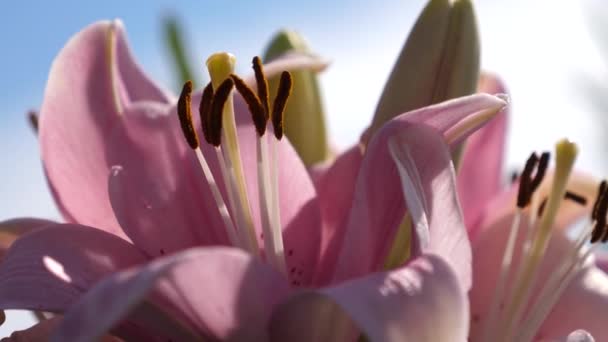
[
  {"x": 599, "y": 231},
  {"x": 32, "y": 118},
  {"x": 524, "y": 194},
  {"x": 258, "y": 113},
  {"x": 262, "y": 84},
  {"x": 217, "y": 109},
  {"x": 185, "y": 115},
  {"x": 576, "y": 198},
  {"x": 280, "y": 101},
  {"x": 204, "y": 110},
  {"x": 541, "y": 208},
  {"x": 600, "y": 192},
  {"x": 185, "y": 118},
  {"x": 541, "y": 169},
  {"x": 566, "y": 153}
]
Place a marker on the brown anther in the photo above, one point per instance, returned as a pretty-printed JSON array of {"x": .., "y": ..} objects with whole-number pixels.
[
  {"x": 280, "y": 101},
  {"x": 204, "y": 110},
  {"x": 32, "y": 118},
  {"x": 599, "y": 230},
  {"x": 258, "y": 115},
  {"x": 217, "y": 108},
  {"x": 185, "y": 115},
  {"x": 524, "y": 193},
  {"x": 576, "y": 198},
  {"x": 542, "y": 206},
  {"x": 541, "y": 169},
  {"x": 600, "y": 192},
  {"x": 262, "y": 83}
]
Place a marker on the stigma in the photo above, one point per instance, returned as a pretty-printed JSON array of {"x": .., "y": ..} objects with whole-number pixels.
[
  {"x": 521, "y": 303},
  {"x": 218, "y": 125}
]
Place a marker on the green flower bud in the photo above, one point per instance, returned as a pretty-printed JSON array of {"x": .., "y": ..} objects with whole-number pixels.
[
  {"x": 440, "y": 61},
  {"x": 304, "y": 115}
]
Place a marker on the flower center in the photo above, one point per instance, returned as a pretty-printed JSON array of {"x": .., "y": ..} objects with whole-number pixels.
[
  {"x": 219, "y": 129},
  {"x": 514, "y": 315}
]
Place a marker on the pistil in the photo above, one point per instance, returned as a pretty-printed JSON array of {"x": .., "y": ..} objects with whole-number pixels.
[{"x": 221, "y": 66}]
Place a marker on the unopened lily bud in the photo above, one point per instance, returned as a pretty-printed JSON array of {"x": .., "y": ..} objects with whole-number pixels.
[
  {"x": 440, "y": 61},
  {"x": 304, "y": 114}
]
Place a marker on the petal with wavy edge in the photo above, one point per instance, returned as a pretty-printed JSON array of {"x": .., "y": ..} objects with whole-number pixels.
[
  {"x": 379, "y": 204},
  {"x": 236, "y": 304},
  {"x": 91, "y": 82},
  {"x": 48, "y": 269},
  {"x": 422, "y": 301},
  {"x": 11, "y": 230},
  {"x": 460, "y": 115},
  {"x": 581, "y": 305},
  {"x": 479, "y": 175}
]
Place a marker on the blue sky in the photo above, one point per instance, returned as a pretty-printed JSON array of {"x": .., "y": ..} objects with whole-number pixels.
[{"x": 540, "y": 48}]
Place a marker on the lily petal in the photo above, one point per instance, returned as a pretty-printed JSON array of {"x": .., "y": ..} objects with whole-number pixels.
[
  {"x": 581, "y": 305},
  {"x": 335, "y": 188},
  {"x": 422, "y": 301},
  {"x": 11, "y": 230},
  {"x": 48, "y": 269},
  {"x": 479, "y": 175},
  {"x": 461, "y": 115},
  {"x": 236, "y": 304},
  {"x": 153, "y": 192},
  {"x": 291, "y": 61},
  {"x": 91, "y": 82},
  {"x": 379, "y": 206}
]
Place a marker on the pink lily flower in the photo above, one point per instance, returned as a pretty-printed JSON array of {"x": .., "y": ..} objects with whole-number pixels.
[
  {"x": 489, "y": 211},
  {"x": 171, "y": 256}
]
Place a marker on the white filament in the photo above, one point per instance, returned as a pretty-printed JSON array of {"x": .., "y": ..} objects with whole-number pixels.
[
  {"x": 273, "y": 240},
  {"x": 217, "y": 196},
  {"x": 505, "y": 269}
]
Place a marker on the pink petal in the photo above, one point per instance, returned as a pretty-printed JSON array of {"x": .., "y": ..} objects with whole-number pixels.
[
  {"x": 480, "y": 172},
  {"x": 48, "y": 269},
  {"x": 289, "y": 62},
  {"x": 337, "y": 199},
  {"x": 336, "y": 189},
  {"x": 161, "y": 190},
  {"x": 77, "y": 117},
  {"x": 10, "y": 230},
  {"x": 582, "y": 304},
  {"x": 601, "y": 260},
  {"x": 379, "y": 204},
  {"x": 222, "y": 292},
  {"x": 135, "y": 84},
  {"x": 422, "y": 301},
  {"x": 157, "y": 192}
]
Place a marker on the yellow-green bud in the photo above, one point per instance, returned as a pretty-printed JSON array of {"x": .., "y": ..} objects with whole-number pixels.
[{"x": 304, "y": 115}]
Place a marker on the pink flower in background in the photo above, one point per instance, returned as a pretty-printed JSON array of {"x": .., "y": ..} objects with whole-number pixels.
[{"x": 158, "y": 216}]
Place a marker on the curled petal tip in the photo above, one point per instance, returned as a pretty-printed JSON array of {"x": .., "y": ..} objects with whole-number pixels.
[{"x": 505, "y": 97}]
